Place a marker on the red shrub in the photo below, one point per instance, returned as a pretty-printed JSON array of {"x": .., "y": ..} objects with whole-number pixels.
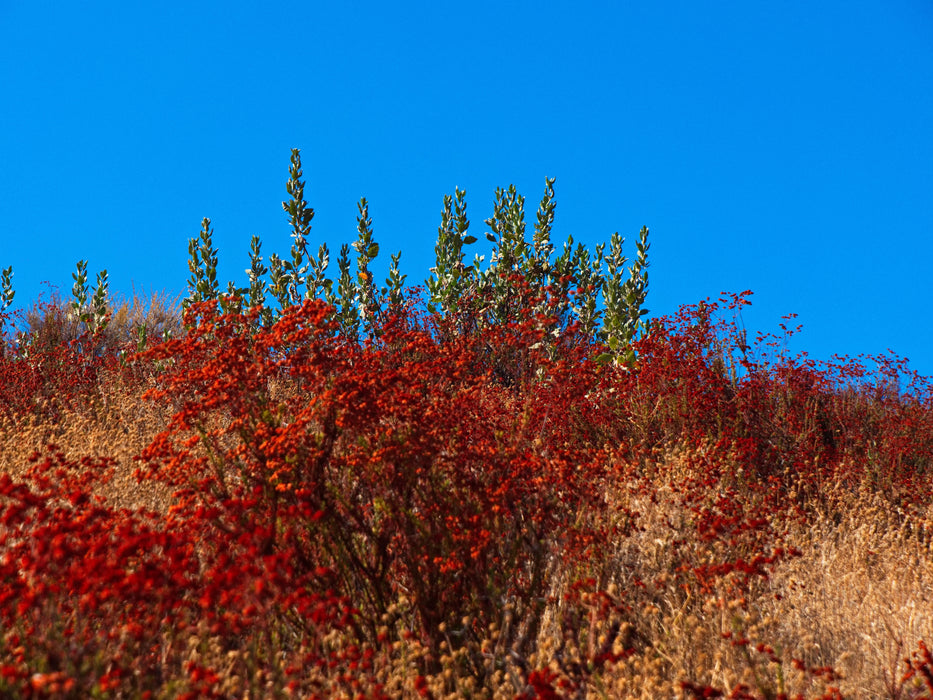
[{"x": 399, "y": 466}]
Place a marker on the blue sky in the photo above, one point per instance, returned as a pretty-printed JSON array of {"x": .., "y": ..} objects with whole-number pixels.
[{"x": 785, "y": 148}]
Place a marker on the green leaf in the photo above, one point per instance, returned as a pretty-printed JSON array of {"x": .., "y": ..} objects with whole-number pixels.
[
  {"x": 373, "y": 250},
  {"x": 469, "y": 240}
]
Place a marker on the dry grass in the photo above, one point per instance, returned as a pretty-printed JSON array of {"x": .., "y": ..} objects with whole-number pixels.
[
  {"x": 51, "y": 322},
  {"x": 116, "y": 423},
  {"x": 858, "y": 599},
  {"x": 861, "y": 596}
]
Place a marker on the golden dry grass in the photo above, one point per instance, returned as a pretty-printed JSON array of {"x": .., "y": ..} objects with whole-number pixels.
[
  {"x": 858, "y": 599},
  {"x": 116, "y": 423}
]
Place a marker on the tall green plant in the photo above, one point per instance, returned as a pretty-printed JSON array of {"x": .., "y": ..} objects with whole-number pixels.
[
  {"x": 202, "y": 263},
  {"x": 590, "y": 285},
  {"x": 91, "y": 310},
  {"x": 300, "y": 216},
  {"x": 301, "y": 269},
  {"x": 366, "y": 251},
  {"x": 344, "y": 300},
  {"x": 278, "y": 282},
  {"x": 450, "y": 278},
  {"x": 523, "y": 280},
  {"x": 256, "y": 292},
  {"x": 624, "y": 300},
  {"x": 589, "y": 279},
  {"x": 636, "y": 287},
  {"x": 507, "y": 236},
  {"x": 395, "y": 284},
  {"x": 542, "y": 248},
  {"x": 6, "y": 289}
]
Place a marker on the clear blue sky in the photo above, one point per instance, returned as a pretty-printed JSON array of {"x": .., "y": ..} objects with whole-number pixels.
[{"x": 782, "y": 147}]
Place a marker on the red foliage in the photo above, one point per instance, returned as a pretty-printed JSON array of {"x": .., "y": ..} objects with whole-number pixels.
[
  {"x": 920, "y": 670},
  {"x": 321, "y": 480},
  {"x": 44, "y": 379},
  {"x": 397, "y": 466},
  {"x": 86, "y": 582}
]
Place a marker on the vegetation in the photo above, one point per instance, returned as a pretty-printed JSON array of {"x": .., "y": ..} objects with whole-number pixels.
[{"x": 511, "y": 486}]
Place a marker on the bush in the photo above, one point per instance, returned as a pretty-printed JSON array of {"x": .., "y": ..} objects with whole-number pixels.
[{"x": 513, "y": 487}]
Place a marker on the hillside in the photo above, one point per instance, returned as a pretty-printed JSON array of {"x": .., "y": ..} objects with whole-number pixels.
[
  {"x": 507, "y": 484},
  {"x": 431, "y": 513}
]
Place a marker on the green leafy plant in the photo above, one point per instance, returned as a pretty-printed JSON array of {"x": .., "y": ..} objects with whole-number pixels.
[
  {"x": 625, "y": 300},
  {"x": 90, "y": 310},
  {"x": 202, "y": 263},
  {"x": 6, "y": 289},
  {"x": 448, "y": 283},
  {"x": 296, "y": 270},
  {"x": 523, "y": 279}
]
